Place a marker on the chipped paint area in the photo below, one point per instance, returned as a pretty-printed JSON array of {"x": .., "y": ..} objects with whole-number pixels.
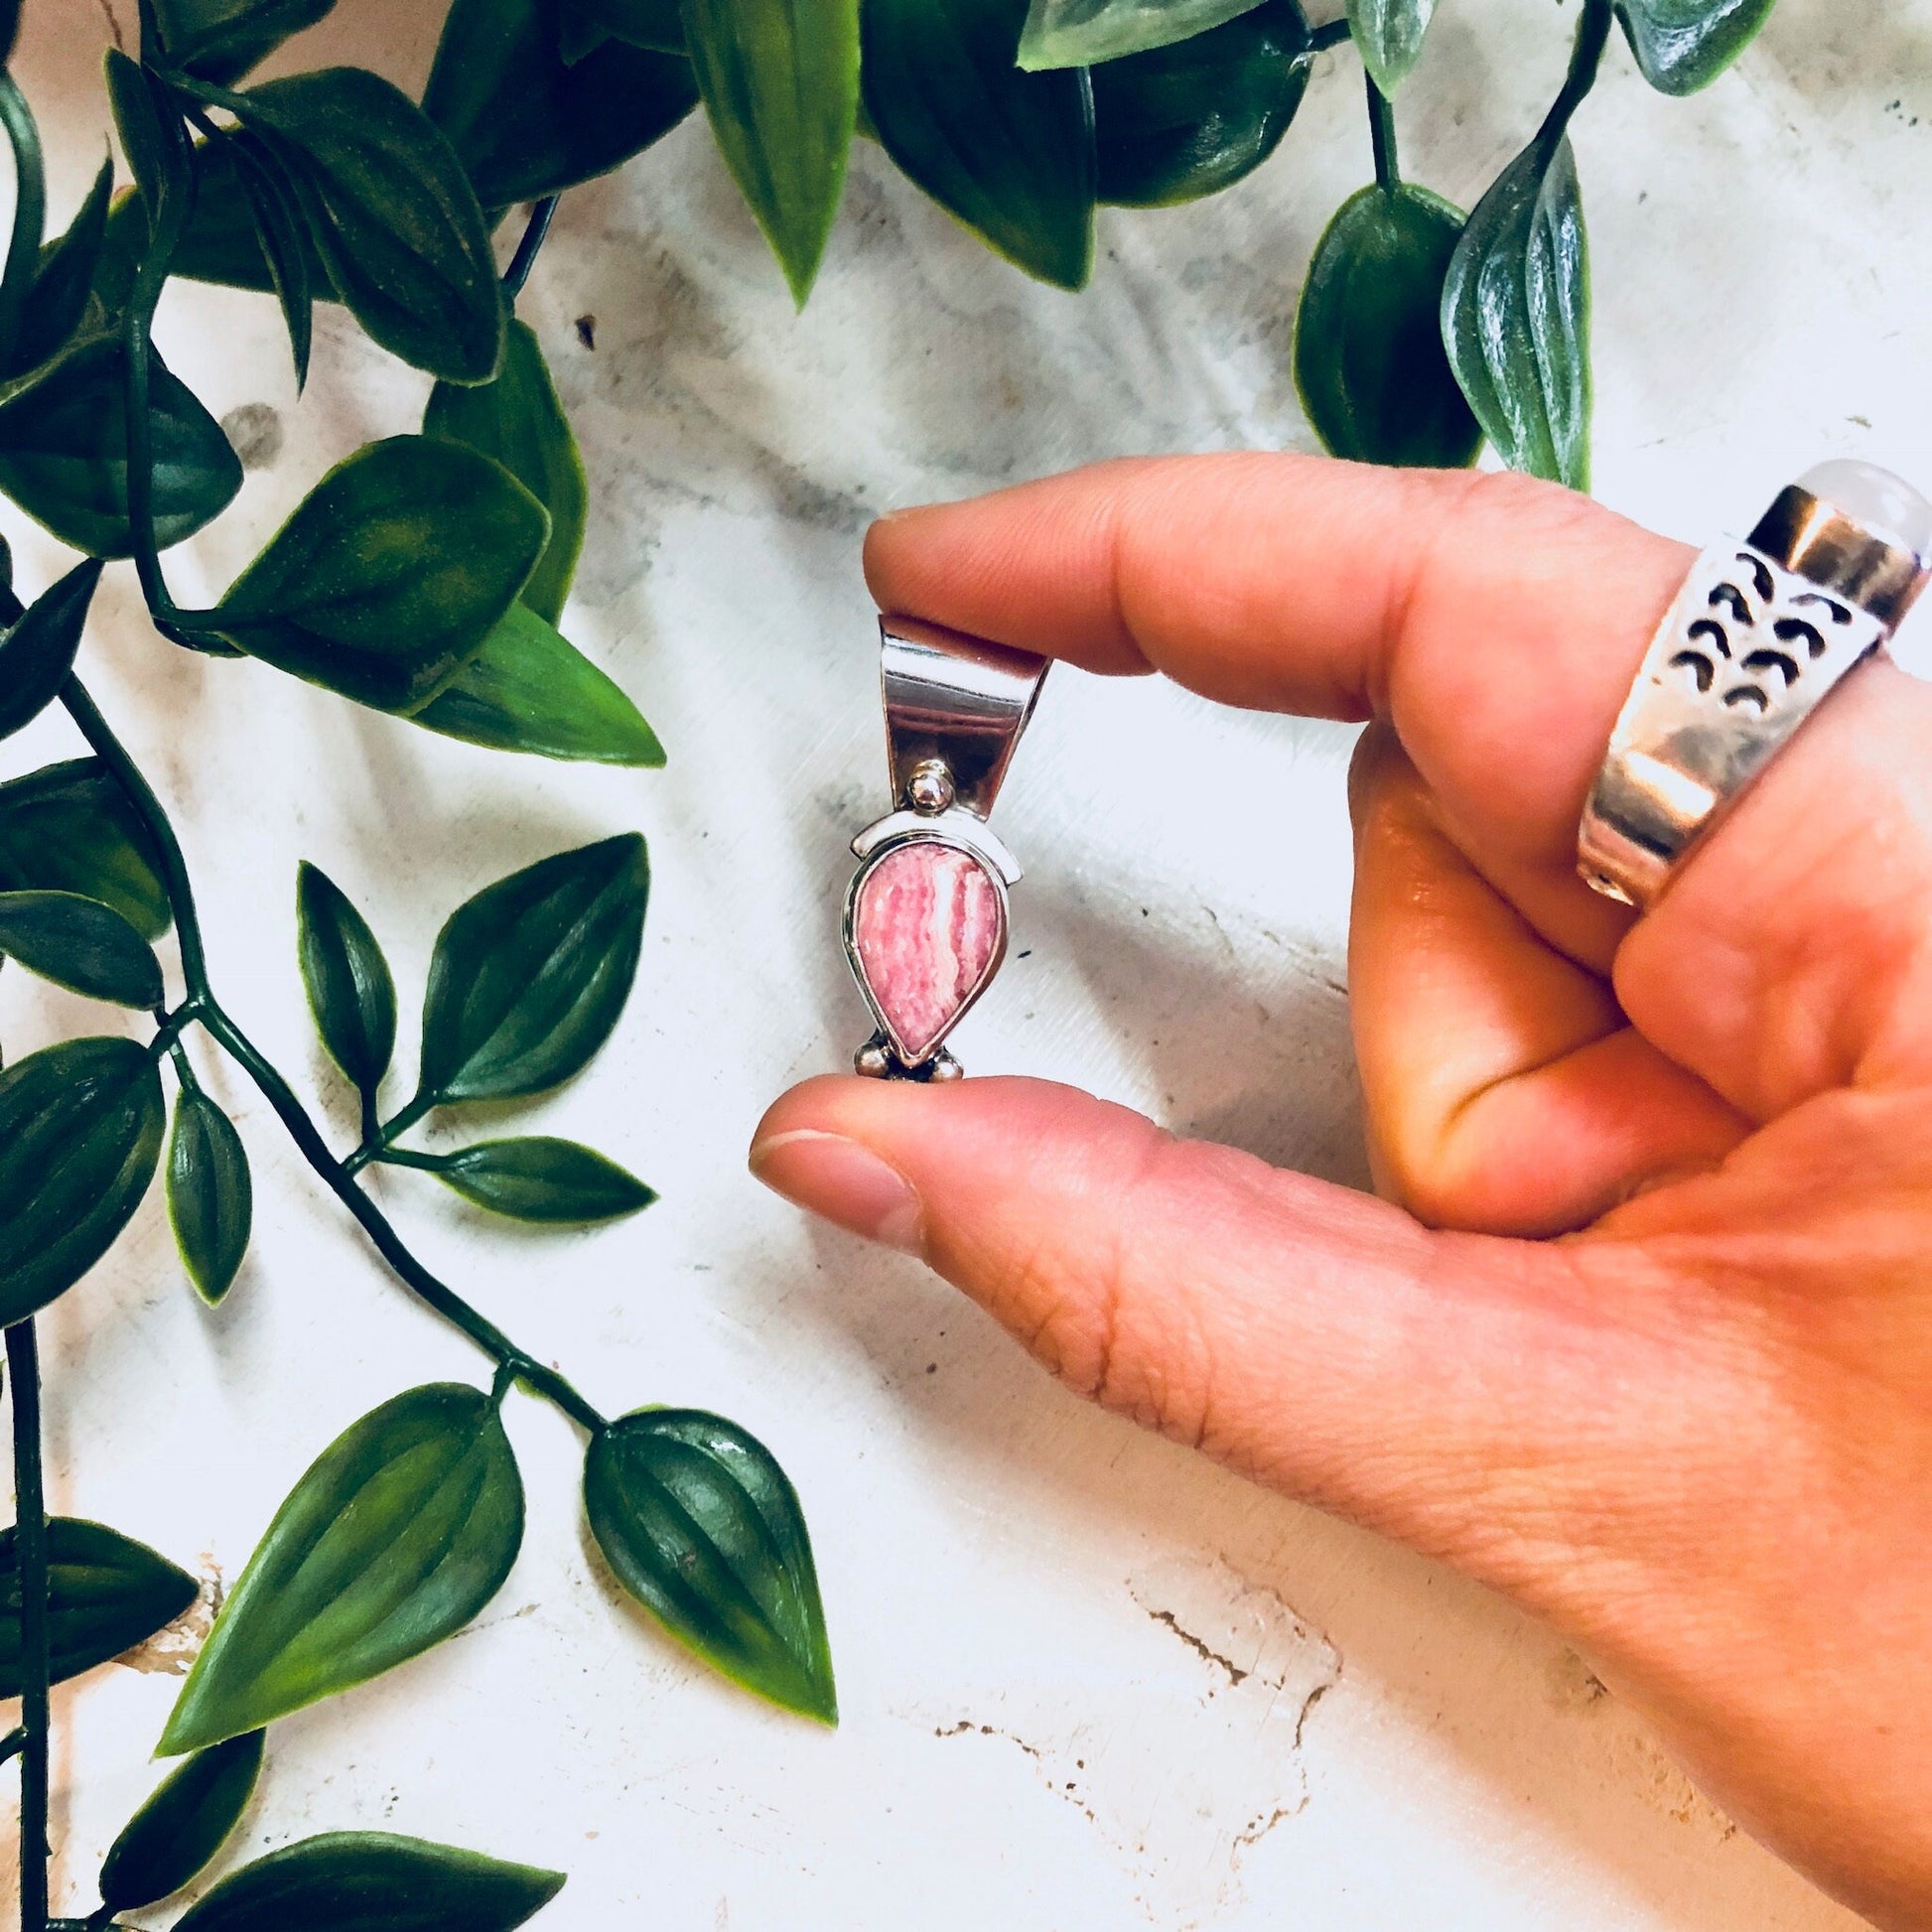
[{"x": 171, "y": 1650}]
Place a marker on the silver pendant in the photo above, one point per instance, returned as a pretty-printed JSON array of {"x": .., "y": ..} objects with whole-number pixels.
[{"x": 926, "y": 918}]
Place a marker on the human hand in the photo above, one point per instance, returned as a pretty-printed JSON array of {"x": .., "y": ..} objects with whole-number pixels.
[{"x": 1694, "y": 1432}]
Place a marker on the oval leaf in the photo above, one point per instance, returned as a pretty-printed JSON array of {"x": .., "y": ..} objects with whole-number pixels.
[
  {"x": 539, "y": 1178},
  {"x": 221, "y": 39},
  {"x": 1011, "y": 154},
  {"x": 1684, "y": 45},
  {"x": 531, "y": 690},
  {"x": 518, "y": 422},
  {"x": 64, "y": 452},
  {"x": 1388, "y": 34},
  {"x": 280, "y": 235},
  {"x": 37, "y": 654},
  {"x": 1369, "y": 361},
  {"x": 400, "y": 1532},
  {"x": 780, "y": 83},
  {"x": 390, "y": 573},
  {"x": 1084, "y": 33},
  {"x": 1516, "y": 315},
  {"x": 68, "y": 828},
  {"x": 105, "y": 1593},
  {"x": 702, "y": 1527},
  {"x": 171, "y": 1838},
  {"x": 371, "y": 1881},
  {"x": 81, "y": 1128},
  {"x": 528, "y": 976},
  {"x": 65, "y": 278},
  {"x": 526, "y": 123},
  {"x": 81, "y": 944},
  {"x": 211, "y": 1197},
  {"x": 350, "y": 991},
  {"x": 1191, "y": 119}
]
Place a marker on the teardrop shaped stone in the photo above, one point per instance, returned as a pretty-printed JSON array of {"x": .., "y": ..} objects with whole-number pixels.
[{"x": 929, "y": 926}]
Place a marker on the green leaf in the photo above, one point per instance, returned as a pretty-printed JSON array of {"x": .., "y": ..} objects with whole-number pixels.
[
  {"x": 350, "y": 991},
  {"x": 38, "y": 653},
  {"x": 211, "y": 1197},
  {"x": 142, "y": 114},
  {"x": 657, "y": 24},
  {"x": 531, "y": 690},
  {"x": 1189, "y": 121},
  {"x": 400, "y": 1532},
  {"x": 1684, "y": 45},
  {"x": 221, "y": 39},
  {"x": 67, "y": 266},
  {"x": 529, "y": 978},
  {"x": 64, "y": 452},
  {"x": 1011, "y": 154},
  {"x": 1388, "y": 34},
  {"x": 1369, "y": 361},
  {"x": 1084, "y": 33},
  {"x": 539, "y": 1178},
  {"x": 702, "y": 1527},
  {"x": 81, "y": 1128},
  {"x": 285, "y": 246},
  {"x": 371, "y": 1881},
  {"x": 1516, "y": 315},
  {"x": 518, "y": 420},
  {"x": 81, "y": 944},
  {"x": 390, "y": 573},
  {"x": 68, "y": 828},
  {"x": 524, "y": 122},
  {"x": 391, "y": 214},
  {"x": 105, "y": 1593},
  {"x": 172, "y": 1838},
  {"x": 780, "y": 84}
]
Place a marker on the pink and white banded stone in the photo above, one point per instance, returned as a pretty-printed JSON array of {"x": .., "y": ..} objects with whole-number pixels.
[{"x": 927, "y": 926}]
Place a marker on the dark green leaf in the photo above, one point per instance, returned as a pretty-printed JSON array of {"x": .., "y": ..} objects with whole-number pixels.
[
  {"x": 1084, "y": 33},
  {"x": 1011, "y": 154},
  {"x": 524, "y": 122},
  {"x": 656, "y": 24},
  {"x": 279, "y": 232},
  {"x": 518, "y": 420},
  {"x": 369, "y": 1881},
  {"x": 1684, "y": 45},
  {"x": 68, "y": 267},
  {"x": 780, "y": 83},
  {"x": 1516, "y": 315},
  {"x": 142, "y": 115},
  {"x": 105, "y": 1593},
  {"x": 68, "y": 828},
  {"x": 38, "y": 653},
  {"x": 1191, "y": 119},
  {"x": 64, "y": 452},
  {"x": 392, "y": 216},
  {"x": 1369, "y": 361},
  {"x": 529, "y": 978},
  {"x": 703, "y": 1528},
  {"x": 350, "y": 991},
  {"x": 1388, "y": 34},
  {"x": 81, "y": 944},
  {"x": 9, "y": 27},
  {"x": 221, "y": 39},
  {"x": 80, "y": 1129},
  {"x": 539, "y": 1178},
  {"x": 390, "y": 573},
  {"x": 531, "y": 690},
  {"x": 210, "y": 1198},
  {"x": 183, "y": 1825},
  {"x": 400, "y": 1532}
]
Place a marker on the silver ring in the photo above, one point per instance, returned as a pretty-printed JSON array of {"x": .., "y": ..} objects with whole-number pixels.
[
  {"x": 1758, "y": 638},
  {"x": 925, "y": 918}
]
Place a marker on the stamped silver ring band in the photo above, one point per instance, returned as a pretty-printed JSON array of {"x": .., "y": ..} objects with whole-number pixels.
[{"x": 1758, "y": 636}]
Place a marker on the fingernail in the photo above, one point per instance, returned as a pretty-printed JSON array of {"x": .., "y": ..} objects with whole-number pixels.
[{"x": 841, "y": 1180}]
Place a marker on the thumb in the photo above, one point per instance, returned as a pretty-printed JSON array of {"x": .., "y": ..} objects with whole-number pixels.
[{"x": 1484, "y": 1400}]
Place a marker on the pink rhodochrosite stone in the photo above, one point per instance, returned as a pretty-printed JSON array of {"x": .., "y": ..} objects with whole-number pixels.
[{"x": 927, "y": 926}]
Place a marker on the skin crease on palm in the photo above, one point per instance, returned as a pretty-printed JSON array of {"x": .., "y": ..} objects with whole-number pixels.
[{"x": 1640, "y": 1332}]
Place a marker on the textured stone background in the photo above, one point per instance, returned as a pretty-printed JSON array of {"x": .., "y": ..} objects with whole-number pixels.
[{"x": 1079, "y": 1669}]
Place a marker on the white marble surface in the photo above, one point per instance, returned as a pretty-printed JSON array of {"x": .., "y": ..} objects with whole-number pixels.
[{"x": 1023, "y": 1594}]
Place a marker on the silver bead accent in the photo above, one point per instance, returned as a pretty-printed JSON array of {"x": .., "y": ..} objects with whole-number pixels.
[
  {"x": 930, "y": 788},
  {"x": 874, "y": 1060},
  {"x": 945, "y": 1068}
]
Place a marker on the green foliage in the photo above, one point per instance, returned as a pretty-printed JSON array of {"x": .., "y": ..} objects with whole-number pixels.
[
  {"x": 371, "y": 1881},
  {"x": 1684, "y": 45},
  {"x": 350, "y": 991},
  {"x": 63, "y": 280},
  {"x": 656, "y": 23},
  {"x": 81, "y": 944},
  {"x": 702, "y": 1527},
  {"x": 399, "y": 1533},
  {"x": 211, "y": 1196},
  {"x": 38, "y": 652},
  {"x": 172, "y": 1838},
  {"x": 1389, "y": 36},
  {"x": 543, "y": 1179},
  {"x": 1084, "y": 33},
  {"x": 70, "y": 828},
  {"x": 221, "y": 39},
  {"x": 286, "y": 249},
  {"x": 105, "y": 1593}
]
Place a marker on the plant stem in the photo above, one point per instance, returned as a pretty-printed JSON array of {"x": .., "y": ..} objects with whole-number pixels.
[
  {"x": 1330, "y": 34},
  {"x": 376, "y": 1141},
  {"x": 30, "y": 1555},
  {"x": 1381, "y": 134},
  {"x": 404, "y": 1157},
  {"x": 525, "y": 258},
  {"x": 1593, "y": 34}
]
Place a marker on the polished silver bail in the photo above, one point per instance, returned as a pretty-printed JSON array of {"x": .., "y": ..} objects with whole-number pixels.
[{"x": 956, "y": 706}]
